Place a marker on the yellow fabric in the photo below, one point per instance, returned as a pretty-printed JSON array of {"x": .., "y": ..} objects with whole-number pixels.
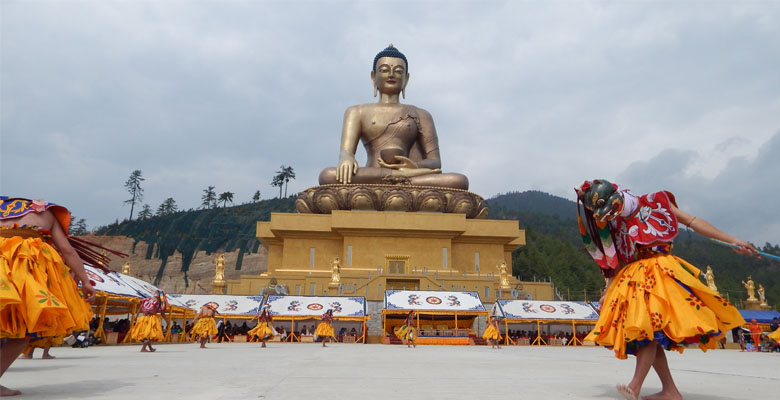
[
  {"x": 491, "y": 333},
  {"x": 205, "y": 327},
  {"x": 262, "y": 330},
  {"x": 645, "y": 297},
  {"x": 775, "y": 335},
  {"x": 43, "y": 343},
  {"x": 405, "y": 332},
  {"x": 147, "y": 327},
  {"x": 38, "y": 297},
  {"x": 324, "y": 329}
]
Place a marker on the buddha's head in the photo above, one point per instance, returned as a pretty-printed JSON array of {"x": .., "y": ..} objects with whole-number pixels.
[{"x": 390, "y": 72}]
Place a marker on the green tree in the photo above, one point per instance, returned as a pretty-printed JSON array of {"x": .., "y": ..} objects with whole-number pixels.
[
  {"x": 287, "y": 175},
  {"x": 167, "y": 207},
  {"x": 79, "y": 227},
  {"x": 145, "y": 213},
  {"x": 278, "y": 181},
  {"x": 225, "y": 197},
  {"x": 133, "y": 186},
  {"x": 256, "y": 197},
  {"x": 209, "y": 198}
]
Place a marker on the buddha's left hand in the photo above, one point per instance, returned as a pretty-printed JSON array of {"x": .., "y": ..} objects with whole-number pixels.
[{"x": 407, "y": 167}]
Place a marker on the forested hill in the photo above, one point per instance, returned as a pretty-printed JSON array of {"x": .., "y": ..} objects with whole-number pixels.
[
  {"x": 554, "y": 247},
  {"x": 554, "y": 250},
  {"x": 212, "y": 229}
]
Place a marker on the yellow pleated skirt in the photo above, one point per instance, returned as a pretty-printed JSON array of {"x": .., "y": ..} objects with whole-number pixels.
[
  {"x": 324, "y": 329},
  {"x": 38, "y": 297},
  {"x": 405, "y": 332},
  {"x": 43, "y": 343},
  {"x": 491, "y": 333},
  {"x": 263, "y": 330},
  {"x": 775, "y": 335},
  {"x": 147, "y": 327},
  {"x": 661, "y": 299},
  {"x": 205, "y": 327}
]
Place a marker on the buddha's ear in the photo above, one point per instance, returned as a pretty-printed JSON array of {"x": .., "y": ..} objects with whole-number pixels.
[
  {"x": 403, "y": 89},
  {"x": 373, "y": 81}
]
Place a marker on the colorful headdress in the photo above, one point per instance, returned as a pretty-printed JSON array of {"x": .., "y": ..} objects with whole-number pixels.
[
  {"x": 162, "y": 299},
  {"x": 599, "y": 201},
  {"x": 212, "y": 305}
]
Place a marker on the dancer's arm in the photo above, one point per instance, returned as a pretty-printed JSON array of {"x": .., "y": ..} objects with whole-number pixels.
[{"x": 704, "y": 228}]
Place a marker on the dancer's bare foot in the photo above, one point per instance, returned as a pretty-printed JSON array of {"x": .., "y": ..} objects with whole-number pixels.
[
  {"x": 143, "y": 350},
  {"x": 627, "y": 392},
  {"x": 151, "y": 349},
  {"x": 263, "y": 344},
  {"x": 48, "y": 357},
  {"x": 664, "y": 396},
  {"x": 4, "y": 391},
  {"x": 25, "y": 356}
]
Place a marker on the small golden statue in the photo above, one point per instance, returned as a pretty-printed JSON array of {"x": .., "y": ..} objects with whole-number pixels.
[
  {"x": 126, "y": 268},
  {"x": 335, "y": 271},
  {"x": 219, "y": 276},
  {"x": 504, "y": 275},
  {"x": 710, "y": 277},
  {"x": 751, "y": 289},
  {"x": 761, "y": 295}
]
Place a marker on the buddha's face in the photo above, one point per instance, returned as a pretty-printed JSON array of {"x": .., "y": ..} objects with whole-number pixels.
[{"x": 390, "y": 76}]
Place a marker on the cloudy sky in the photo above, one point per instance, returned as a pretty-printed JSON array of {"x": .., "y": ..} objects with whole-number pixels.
[{"x": 525, "y": 95}]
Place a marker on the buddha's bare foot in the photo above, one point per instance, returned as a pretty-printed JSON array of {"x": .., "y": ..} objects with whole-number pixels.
[
  {"x": 4, "y": 391},
  {"x": 664, "y": 395},
  {"x": 627, "y": 392}
]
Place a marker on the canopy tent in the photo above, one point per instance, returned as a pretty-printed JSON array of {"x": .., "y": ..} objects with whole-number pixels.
[
  {"x": 302, "y": 308},
  {"x": 228, "y": 306},
  {"x": 546, "y": 312},
  {"x": 762, "y": 317},
  {"x": 120, "y": 294},
  {"x": 442, "y": 317}
]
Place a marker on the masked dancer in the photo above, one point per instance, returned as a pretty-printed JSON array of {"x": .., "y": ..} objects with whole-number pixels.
[
  {"x": 492, "y": 334},
  {"x": 205, "y": 325},
  {"x": 653, "y": 300},
  {"x": 148, "y": 327},
  {"x": 325, "y": 328},
  {"x": 406, "y": 332},
  {"x": 39, "y": 271},
  {"x": 264, "y": 329}
]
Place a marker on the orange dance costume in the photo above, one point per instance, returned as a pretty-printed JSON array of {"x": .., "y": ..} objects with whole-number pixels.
[
  {"x": 655, "y": 296},
  {"x": 38, "y": 297},
  {"x": 264, "y": 328},
  {"x": 149, "y": 325}
]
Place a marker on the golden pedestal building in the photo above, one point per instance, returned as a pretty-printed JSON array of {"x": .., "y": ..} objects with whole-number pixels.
[{"x": 381, "y": 250}]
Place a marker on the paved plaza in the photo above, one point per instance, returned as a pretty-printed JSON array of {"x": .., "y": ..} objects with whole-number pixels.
[{"x": 350, "y": 371}]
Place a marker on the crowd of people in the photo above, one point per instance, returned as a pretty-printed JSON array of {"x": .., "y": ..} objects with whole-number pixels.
[{"x": 517, "y": 336}]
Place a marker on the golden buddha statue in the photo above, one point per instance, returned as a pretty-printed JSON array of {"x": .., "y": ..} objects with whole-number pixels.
[
  {"x": 400, "y": 139},
  {"x": 762, "y": 295},
  {"x": 335, "y": 271},
  {"x": 219, "y": 275},
  {"x": 751, "y": 289},
  {"x": 710, "y": 277},
  {"x": 504, "y": 275}
]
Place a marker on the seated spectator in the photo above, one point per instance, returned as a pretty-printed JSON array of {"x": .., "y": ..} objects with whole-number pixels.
[{"x": 353, "y": 332}]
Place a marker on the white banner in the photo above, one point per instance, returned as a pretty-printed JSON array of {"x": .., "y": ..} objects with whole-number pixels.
[
  {"x": 432, "y": 300},
  {"x": 539, "y": 309},
  {"x": 226, "y": 304},
  {"x": 315, "y": 306}
]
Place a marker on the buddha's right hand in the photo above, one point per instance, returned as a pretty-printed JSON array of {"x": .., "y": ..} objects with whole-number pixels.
[{"x": 347, "y": 167}]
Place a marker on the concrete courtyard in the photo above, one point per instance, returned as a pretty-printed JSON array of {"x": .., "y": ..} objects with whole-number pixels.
[{"x": 351, "y": 371}]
